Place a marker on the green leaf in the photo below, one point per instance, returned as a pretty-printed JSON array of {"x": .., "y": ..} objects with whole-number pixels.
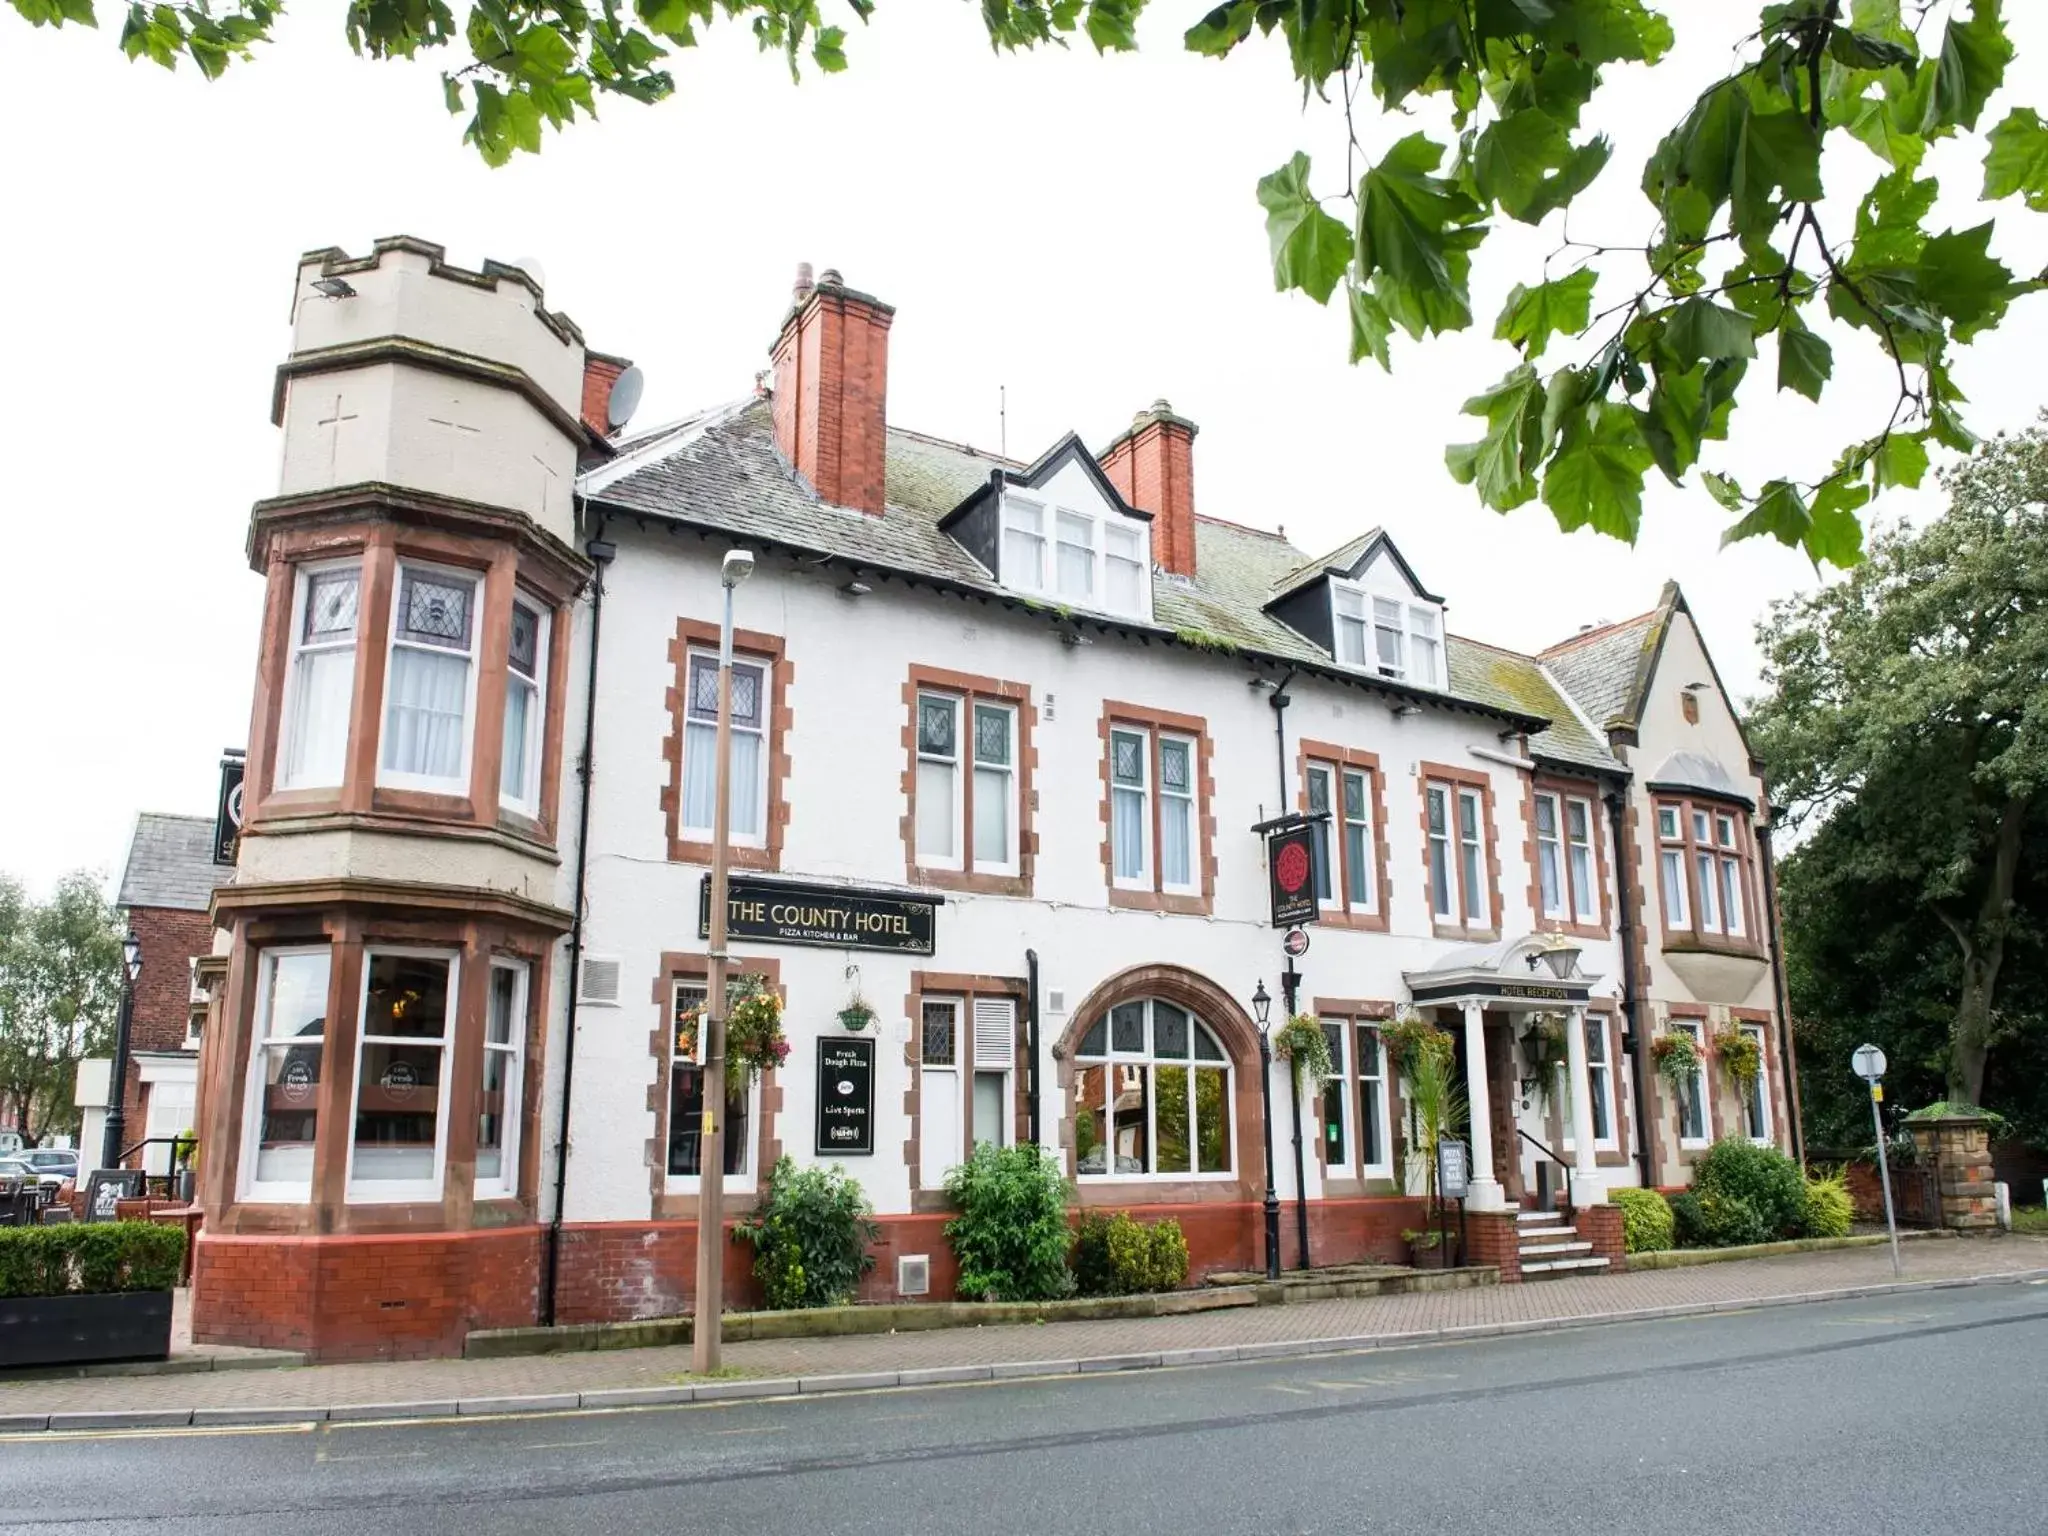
[
  {"x": 1779, "y": 513},
  {"x": 1804, "y": 359},
  {"x": 1701, "y": 330},
  {"x": 1370, "y": 328},
  {"x": 1876, "y": 125},
  {"x": 1310, "y": 248},
  {"x": 1899, "y": 459},
  {"x": 1724, "y": 490},
  {"x": 828, "y": 49},
  {"x": 1513, "y": 157},
  {"x": 1834, "y": 535},
  {"x": 1533, "y": 315},
  {"x": 1578, "y": 172},
  {"x": 1222, "y": 29},
  {"x": 2018, "y": 159},
  {"x": 1414, "y": 228},
  {"x": 1779, "y": 150},
  {"x": 1959, "y": 279},
  {"x": 1969, "y": 68},
  {"x": 1864, "y": 50},
  {"x": 1501, "y": 465},
  {"x": 1595, "y": 479}
]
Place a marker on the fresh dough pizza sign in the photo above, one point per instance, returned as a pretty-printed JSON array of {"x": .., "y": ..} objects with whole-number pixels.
[{"x": 1291, "y": 866}]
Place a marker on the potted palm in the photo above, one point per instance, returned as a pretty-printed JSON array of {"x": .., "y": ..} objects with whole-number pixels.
[{"x": 1436, "y": 1107}]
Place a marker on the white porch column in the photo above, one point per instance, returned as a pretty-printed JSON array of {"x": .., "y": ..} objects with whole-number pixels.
[
  {"x": 1485, "y": 1193},
  {"x": 1588, "y": 1187}
]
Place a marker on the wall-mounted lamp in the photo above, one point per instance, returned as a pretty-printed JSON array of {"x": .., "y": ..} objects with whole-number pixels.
[
  {"x": 855, "y": 588},
  {"x": 1404, "y": 709},
  {"x": 1071, "y": 636},
  {"x": 333, "y": 287}
]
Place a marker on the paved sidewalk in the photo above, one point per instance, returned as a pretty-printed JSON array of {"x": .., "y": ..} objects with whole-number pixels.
[{"x": 562, "y": 1381}]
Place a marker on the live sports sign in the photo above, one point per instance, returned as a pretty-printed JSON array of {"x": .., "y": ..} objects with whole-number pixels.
[{"x": 1291, "y": 872}]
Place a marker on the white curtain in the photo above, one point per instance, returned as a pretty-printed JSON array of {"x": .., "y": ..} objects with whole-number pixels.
[
  {"x": 318, "y": 747},
  {"x": 935, "y": 810},
  {"x": 746, "y": 784},
  {"x": 700, "y": 780},
  {"x": 518, "y": 707},
  {"x": 423, "y": 722},
  {"x": 991, "y": 816},
  {"x": 1174, "y": 841},
  {"x": 1128, "y": 833}
]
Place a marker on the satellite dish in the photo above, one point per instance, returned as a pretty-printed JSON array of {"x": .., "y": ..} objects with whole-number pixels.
[
  {"x": 533, "y": 270},
  {"x": 625, "y": 397}
]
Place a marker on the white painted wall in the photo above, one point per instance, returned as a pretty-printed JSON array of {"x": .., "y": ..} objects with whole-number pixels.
[{"x": 851, "y": 658}]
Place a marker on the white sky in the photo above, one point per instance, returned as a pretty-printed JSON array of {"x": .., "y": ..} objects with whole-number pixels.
[{"x": 1078, "y": 229}]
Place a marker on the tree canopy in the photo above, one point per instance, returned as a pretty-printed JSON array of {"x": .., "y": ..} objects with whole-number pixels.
[
  {"x": 1909, "y": 721},
  {"x": 60, "y": 988},
  {"x": 1743, "y": 248}
]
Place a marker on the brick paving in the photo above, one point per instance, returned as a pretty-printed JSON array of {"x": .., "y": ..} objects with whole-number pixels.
[{"x": 1385, "y": 1318}]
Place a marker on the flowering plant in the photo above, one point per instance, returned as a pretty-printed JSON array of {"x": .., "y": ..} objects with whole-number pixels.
[
  {"x": 1741, "y": 1058},
  {"x": 1407, "y": 1036},
  {"x": 1301, "y": 1042},
  {"x": 1677, "y": 1056},
  {"x": 753, "y": 1030},
  {"x": 689, "y": 1029}
]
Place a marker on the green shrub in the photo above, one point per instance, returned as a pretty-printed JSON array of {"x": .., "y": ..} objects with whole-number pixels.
[
  {"x": 1117, "y": 1256},
  {"x": 1646, "y": 1221},
  {"x": 1829, "y": 1206},
  {"x": 1688, "y": 1221},
  {"x": 1733, "y": 1222},
  {"x": 90, "y": 1258},
  {"x": 810, "y": 1235},
  {"x": 1011, "y": 1236},
  {"x": 1764, "y": 1179}
]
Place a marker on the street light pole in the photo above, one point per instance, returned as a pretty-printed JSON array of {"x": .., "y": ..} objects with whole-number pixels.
[
  {"x": 1262, "y": 1005},
  {"x": 117, "y": 1093},
  {"x": 706, "y": 1333}
]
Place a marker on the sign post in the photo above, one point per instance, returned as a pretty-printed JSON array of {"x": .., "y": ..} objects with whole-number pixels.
[
  {"x": 1868, "y": 1063},
  {"x": 1453, "y": 1179}
]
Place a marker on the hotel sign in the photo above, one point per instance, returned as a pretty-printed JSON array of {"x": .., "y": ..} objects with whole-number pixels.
[
  {"x": 833, "y": 916},
  {"x": 1290, "y": 869}
]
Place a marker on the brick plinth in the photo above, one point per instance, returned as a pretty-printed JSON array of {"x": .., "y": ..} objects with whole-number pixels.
[
  {"x": 1492, "y": 1237},
  {"x": 1601, "y": 1225},
  {"x": 397, "y": 1297},
  {"x": 1960, "y": 1148}
]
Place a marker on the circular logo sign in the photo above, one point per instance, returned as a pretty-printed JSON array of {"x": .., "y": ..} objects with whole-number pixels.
[
  {"x": 400, "y": 1078},
  {"x": 1296, "y": 942},
  {"x": 1291, "y": 868},
  {"x": 297, "y": 1081},
  {"x": 845, "y": 1085}
]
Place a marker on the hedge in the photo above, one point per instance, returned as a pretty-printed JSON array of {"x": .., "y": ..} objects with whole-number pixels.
[
  {"x": 90, "y": 1258},
  {"x": 1646, "y": 1224}
]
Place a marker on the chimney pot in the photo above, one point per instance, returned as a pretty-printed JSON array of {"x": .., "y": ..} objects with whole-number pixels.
[
  {"x": 803, "y": 280},
  {"x": 832, "y": 279}
]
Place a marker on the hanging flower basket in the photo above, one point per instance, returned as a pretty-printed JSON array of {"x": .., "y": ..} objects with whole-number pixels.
[
  {"x": 753, "y": 1032},
  {"x": 1677, "y": 1057},
  {"x": 689, "y": 1030},
  {"x": 856, "y": 1015},
  {"x": 1302, "y": 1043},
  {"x": 1741, "y": 1057},
  {"x": 1545, "y": 1044},
  {"x": 1409, "y": 1035}
]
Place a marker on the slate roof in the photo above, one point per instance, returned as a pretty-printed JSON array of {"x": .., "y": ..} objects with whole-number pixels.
[
  {"x": 722, "y": 470},
  {"x": 1607, "y": 669},
  {"x": 1342, "y": 558},
  {"x": 170, "y": 863},
  {"x": 1695, "y": 770}
]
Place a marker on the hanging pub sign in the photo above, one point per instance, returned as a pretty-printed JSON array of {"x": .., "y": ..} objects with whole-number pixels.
[
  {"x": 227, "y": 814},
  {"x": 1290, "y": 869},
  {"x": 834, "y": 916},
  {"x": 846, "y": 1096}
]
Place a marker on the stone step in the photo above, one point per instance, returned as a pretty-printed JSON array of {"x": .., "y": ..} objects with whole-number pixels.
[
  {"x": 1552, "y": 1250},
  {"x": 1551, "y": 1269},
  {"x": 1544, "y": 1234},
  {"x": 1539, "y": 1216}
]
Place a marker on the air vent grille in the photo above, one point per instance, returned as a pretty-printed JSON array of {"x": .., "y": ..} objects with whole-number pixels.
[
  {"x": 600, "y": 981},
  {"x": 913, "y": 1274}
]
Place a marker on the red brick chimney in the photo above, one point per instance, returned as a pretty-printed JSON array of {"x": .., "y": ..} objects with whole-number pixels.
[
  {"x": 1153, "y": 468},
  {"x": 832, "y": 390},
  {"x": 600, "y": 372}
]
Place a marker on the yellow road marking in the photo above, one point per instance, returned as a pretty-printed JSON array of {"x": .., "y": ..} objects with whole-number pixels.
[{"x": 164, "y": 1432}]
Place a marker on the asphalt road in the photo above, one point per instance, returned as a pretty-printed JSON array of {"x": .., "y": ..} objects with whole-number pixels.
[{"x": 1917, "y": 1413}]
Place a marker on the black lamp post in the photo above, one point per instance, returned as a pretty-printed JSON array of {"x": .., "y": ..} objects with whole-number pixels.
[
  {"x": 1262, "y": 1006},
  {"x": 117, "y": 1094}
]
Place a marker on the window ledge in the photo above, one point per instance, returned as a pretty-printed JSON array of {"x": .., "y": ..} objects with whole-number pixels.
[
  {"x": 1361, "y": 922},
  {"x": 978, "y": 882},
  {"x": 1457, "y": 934},
  {"x": 739, "y": 856},
  {"x": 1159, "y": 901}
]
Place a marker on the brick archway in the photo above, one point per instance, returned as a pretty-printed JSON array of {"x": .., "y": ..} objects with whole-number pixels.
[{"x": 1233, "y": 1029}]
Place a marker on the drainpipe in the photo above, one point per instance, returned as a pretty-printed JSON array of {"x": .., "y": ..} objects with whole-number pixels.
[
  {"x": 601, "y": 552},
  {"x": 1781, "y": 994},
  {"x": 1631, "y": 1003},
  {"x": 1031, "y": 1039}
]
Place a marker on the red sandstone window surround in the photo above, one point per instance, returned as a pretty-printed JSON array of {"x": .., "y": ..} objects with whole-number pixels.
[
  {"x": 967, "y": 783},
  {"x": 1704, "y": 860},
  {"x": 761, "y": 720},
  {"x": 1461, "y": 865},
  {"x": 1351, "y": 847},
  {"x": 1158, "y": 851},
  {"x": 1567, "y": 851}
]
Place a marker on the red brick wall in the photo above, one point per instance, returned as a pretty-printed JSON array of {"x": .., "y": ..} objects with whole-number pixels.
[
  {"x": 1491, "y": 1238},
  {"x": 1153, "y": 468},
  {"x": 831, "y": 394},
  {"x": 1600, "y": 1225},
  {"x": 405, "y": 1296},
  {"x": 163, "y": 998}
]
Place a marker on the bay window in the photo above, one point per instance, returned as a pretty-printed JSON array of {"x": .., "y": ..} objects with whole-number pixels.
[
  {"x": 286, "y": 1060},
  {"x": 1703, "y": 861},
  {"x": 1152, "y": 1096},
  {"x": 519, "y": 763},
  {"x": 748, "y": 823},
  {"x": 686, "y": 1088},
  {"x": 430, "y": 684},
  {"x": 498, "y": 1115},
  {"x": 314, "y": 729},
  {"x": 398, "y": 1141}
]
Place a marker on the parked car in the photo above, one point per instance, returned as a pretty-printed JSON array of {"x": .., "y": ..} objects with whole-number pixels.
[
  {"x": 59, "y": 1160},
  {"x": 49, "y": 1180}
]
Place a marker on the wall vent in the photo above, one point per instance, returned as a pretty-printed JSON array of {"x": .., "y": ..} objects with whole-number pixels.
[
  {"x": 600, "y": 981},
  {"x": 995, "y": 1031},
  {"x": 1056, "y": 1001},
  {"x": 913, "y": 1274}
]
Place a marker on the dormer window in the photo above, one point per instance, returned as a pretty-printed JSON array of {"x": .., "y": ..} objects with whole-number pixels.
[
  {"x": 1396, "y": 639},
  {"x": 1095, "y": 560}
]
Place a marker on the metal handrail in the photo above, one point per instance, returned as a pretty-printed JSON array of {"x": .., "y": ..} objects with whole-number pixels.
[{"x": 1570, "y": 1206}]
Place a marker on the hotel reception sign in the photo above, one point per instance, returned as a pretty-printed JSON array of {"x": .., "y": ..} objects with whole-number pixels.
[{"x": 832, "y": 916}]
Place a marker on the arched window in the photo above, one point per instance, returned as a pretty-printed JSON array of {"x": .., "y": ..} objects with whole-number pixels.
[{"x": 1152, "y": 1096}]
